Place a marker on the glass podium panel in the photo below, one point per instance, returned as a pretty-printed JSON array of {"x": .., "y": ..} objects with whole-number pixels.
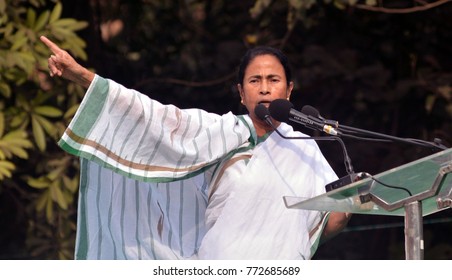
[{"x": 386, "y": 193}]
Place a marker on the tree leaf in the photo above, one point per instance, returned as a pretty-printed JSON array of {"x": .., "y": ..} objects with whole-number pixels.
[
  {"x": 2, "y": 124},
  {"x": 79, "y": 25},
  {"x": 49, "y": 209},
  {"x": 42, "y": 201},
  {"x": 48, "y": 111},
  {"x": 78, "y": 41},
  {"x": 8, "y": 30},
  {"x": 71, "y": 184},
  {"x": 18, "y": 151},
  {"x": 71, "y": 111},
  {"x": 56, "y": 13},
  {"x": 56, "y": 173},
  {"x": 42, "y": 21},
  {"x": 6, "y": 168},
  {"x": 40, "y": 183},
  {"x": 5, "y": 90},
  {"x": 19, "y": 119},
  {"x": 18, "y": 43},
  {"x": 14, "y": 143},
  {"x": 15, "y": 135},
  {"x": 38, "y": 133},
  {"x": 61, "y": 33},
  {"x": 65, "y": 22},
  {"x": 57, "y": 195},
  {"x": 48, "y": 126},
  {"x": 78, "y": 52},
  {"x": 31, "y": 17}
]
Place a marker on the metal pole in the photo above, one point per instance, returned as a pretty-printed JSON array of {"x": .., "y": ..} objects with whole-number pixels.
[{"x": 414, "y": 240}]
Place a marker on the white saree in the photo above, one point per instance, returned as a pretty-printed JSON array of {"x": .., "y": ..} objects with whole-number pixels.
[{"x": 158, "y": 182}]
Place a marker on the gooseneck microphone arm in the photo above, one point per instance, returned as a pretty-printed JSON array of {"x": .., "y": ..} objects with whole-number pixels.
[
  {"x": 348, "y": 131},
  {"x": 362, "y": 134},
  {"x": 354, "y": 132}
]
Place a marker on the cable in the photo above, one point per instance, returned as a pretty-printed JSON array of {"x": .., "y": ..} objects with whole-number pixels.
[
  {"x": 367, "y": 175},
  {"x": 390, "y": 186},
  {"x": 347, "y": 160}
]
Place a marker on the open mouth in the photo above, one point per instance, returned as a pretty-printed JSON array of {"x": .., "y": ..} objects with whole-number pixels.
[{"x": 265, "y": 103}]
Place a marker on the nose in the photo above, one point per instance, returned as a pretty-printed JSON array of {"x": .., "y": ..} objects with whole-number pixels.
[{"x": 264, "y": 89}]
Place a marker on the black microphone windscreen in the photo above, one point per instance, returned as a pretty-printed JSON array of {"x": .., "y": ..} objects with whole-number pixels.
[
  {"x": 261, "y": 112},
  {"x": 310, "y": 111},
  {"x": 280, "y": 109}
]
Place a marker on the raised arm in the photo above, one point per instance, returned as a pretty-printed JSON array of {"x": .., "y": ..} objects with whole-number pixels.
[{"x": 62, "y": 64}]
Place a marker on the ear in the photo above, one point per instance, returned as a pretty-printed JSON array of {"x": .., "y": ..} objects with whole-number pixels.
[
  {"x": 240, "y": 89},
  {"x": 289, "y": 90}
]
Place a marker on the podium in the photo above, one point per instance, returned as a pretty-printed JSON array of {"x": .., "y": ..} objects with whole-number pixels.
[{"x": 413, "y": 190}]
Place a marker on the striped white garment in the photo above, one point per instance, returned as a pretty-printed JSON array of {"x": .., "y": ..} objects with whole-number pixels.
[
  {"x": 123, "y": 218},
  {"x": 158, "y": 182},
  {"x": 246, "y": 216}
]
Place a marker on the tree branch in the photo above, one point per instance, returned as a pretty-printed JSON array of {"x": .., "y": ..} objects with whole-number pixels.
[
  {"x": 184, "y": 82},
  {"x": 424, "y": 6}
]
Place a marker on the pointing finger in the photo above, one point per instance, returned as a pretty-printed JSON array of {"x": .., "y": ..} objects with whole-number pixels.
[{"x": 51, "y": 45}]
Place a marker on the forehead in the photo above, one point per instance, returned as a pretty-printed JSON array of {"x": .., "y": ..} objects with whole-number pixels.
[{"x": 264, "y": 63}]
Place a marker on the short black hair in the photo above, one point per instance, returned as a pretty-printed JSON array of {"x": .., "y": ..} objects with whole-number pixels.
[{"x": 264, "y": 50}]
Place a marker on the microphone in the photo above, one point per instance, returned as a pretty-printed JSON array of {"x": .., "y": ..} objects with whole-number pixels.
[
  {"x": 311, "y": 111},
  {"x": 282, "y": 110},
  {"x": 262, "y": 113}
]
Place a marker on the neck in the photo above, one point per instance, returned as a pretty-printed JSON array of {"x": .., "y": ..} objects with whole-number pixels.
[{"x": 263, "y": 128}]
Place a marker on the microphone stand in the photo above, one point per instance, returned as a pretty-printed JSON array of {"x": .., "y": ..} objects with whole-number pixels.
[
  {"x": 337, "y": 131},
  {"x": 353, "y": 132},
  {"x": 357, "y": 133},
  {"x": 343, "y": 181}
]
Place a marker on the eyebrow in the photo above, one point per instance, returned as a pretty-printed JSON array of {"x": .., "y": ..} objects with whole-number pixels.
[{"x": 268, "y": 76}]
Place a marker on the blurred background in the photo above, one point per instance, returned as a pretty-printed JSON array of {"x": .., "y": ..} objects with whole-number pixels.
[{"x": 384, "y": 66}]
